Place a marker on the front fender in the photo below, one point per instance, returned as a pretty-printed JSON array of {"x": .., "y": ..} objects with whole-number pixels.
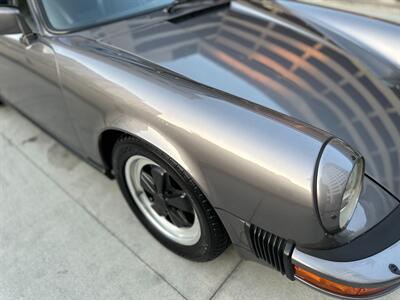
[
  {"x": 245, "y": 158},
  {"x": 251, "y": 162}
]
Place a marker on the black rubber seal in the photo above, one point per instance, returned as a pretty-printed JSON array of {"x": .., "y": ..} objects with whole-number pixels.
[
  {"x": 377, "y": 239},
  {"x": 287, "y": 260}
]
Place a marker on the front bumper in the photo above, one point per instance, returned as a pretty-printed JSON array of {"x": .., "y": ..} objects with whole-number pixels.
[{"x": 376, "y": 271}]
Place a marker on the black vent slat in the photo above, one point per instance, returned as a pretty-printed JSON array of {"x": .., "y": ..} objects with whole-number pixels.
[
  {"x": 263, "y": 233},
  {"x": 279, "y": 254},
  {"x": 273, "y": 251},
  {"x": 270, "y": 237},
  {"x": 269, "y": 247},
  {"x": 254, "y": 241},
  {"x": 259, "y": 242},
  {"x": 264, "y": 236},
  {"x": 276, "y": 251},
  {"x": 269, "y": 260}
]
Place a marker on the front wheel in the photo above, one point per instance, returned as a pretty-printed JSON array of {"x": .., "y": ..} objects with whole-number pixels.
[{"x": 167, "y": 201}]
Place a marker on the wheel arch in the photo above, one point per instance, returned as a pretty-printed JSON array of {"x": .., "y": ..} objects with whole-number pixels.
[
  {"x": 106, "y": 142},
  {"x": 109, "y": 136}
]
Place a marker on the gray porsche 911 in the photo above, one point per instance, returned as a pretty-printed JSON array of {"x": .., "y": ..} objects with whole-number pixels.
[{"x": 271, "y": 125}]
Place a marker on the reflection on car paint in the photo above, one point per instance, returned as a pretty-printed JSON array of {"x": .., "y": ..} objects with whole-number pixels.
[{"x": 302, "y": 76}]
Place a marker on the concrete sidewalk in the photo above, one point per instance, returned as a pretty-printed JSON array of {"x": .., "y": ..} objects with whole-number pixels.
[
  {"x": 67, "y": 233},
  {"x": 388, "y": 10}
]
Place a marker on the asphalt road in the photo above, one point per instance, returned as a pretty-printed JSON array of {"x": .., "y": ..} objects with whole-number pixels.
[{"x": 67, "y": 233}]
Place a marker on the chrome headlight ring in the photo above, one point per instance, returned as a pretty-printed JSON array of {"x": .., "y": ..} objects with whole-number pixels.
[{"x": 338, "y": 184}]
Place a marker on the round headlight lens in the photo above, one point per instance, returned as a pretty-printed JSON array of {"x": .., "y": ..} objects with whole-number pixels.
[
  {"x": 351, "y": 193},
  {"x": 338, "y": 184}
]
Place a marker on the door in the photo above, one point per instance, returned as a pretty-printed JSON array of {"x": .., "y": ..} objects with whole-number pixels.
[{"x": 29, "y": 81}]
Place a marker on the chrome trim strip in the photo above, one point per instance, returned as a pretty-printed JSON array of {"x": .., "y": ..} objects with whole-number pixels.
[{"x": 372, "y": 271}]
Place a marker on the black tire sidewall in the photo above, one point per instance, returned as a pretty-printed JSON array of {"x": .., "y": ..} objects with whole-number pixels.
[{"x": 124, "y": 150}]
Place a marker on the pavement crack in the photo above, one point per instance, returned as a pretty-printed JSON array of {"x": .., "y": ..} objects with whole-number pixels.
[
  {"x": 8, "y": 141},
  {"x": 29, "y": 140},
  {"x": 226, "y": 279}
]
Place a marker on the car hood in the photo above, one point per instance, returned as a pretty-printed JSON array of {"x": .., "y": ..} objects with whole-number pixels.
[{"x": 281, "y": 57}]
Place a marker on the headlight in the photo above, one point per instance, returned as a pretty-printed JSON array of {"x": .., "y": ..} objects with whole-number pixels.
[
  {"x": 351, "y": 193},
  {"x": 338, "y": 185}
]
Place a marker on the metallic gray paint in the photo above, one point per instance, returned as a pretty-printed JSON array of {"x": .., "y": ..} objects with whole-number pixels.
[
  {"x": 277, "y": 62},
  {"x": 379, "y": 37},
  {"x": 368, "y": 213},
  {"x": 215, "y": 153},
  {"x": 234, "y": 59},
  {"x": 250, "y": 140},
  {"x": 33, "y": 86}
]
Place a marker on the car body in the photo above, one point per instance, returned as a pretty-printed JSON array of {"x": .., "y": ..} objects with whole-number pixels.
[{"x": 254, "y": 100}]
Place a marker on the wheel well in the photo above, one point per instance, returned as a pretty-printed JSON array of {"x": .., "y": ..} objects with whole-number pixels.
[{"x": 107, "y": 141}]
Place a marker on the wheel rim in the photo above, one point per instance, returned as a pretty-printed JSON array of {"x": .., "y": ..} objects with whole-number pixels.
[{"x": 162, "y": 200}]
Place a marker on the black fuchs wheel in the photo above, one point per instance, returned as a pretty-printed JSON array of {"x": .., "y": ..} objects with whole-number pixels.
[{"x": 167, "y": 201}]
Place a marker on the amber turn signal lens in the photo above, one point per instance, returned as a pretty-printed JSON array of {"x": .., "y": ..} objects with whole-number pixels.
[{"x": 333, "y": 287}]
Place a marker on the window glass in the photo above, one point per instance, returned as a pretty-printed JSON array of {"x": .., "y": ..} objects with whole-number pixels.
[{"x": 72, "y": 14}]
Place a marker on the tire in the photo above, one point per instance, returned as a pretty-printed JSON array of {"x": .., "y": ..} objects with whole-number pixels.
[{"x": 211, "y": 238}]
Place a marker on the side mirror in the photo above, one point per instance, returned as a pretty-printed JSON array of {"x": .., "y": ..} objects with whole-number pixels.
[{"x": 10, "y": 21}]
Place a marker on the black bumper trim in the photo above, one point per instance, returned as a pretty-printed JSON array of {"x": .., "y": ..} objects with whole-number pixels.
[{"x": 378, "y": 238}]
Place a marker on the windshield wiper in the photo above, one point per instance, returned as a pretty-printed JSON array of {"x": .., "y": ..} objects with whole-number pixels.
[{"x": 185, "y": 3}]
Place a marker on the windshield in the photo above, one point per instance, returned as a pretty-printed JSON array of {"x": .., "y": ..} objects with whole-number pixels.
[{"x": 67, "y": 15}]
